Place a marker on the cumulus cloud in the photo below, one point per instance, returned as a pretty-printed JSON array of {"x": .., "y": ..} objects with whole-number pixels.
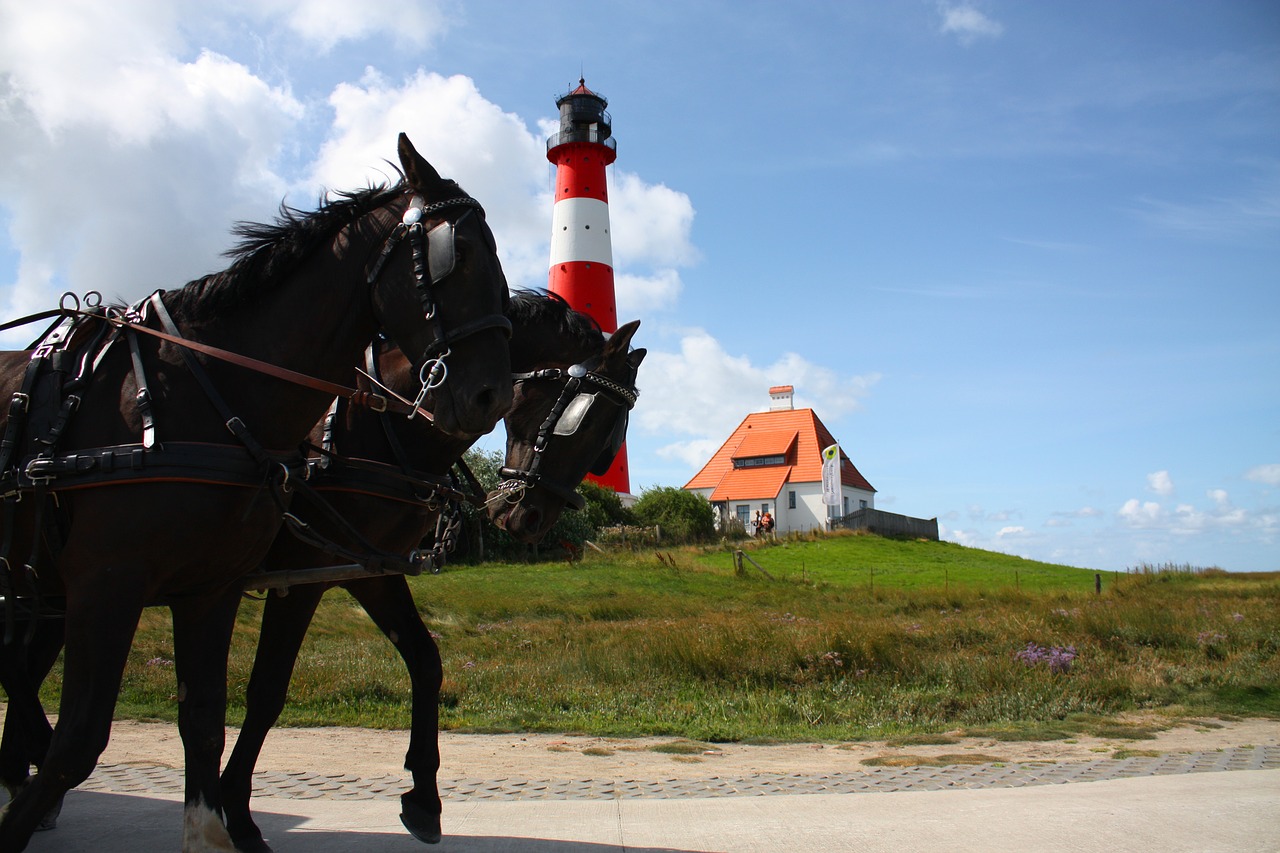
[
  {"x": 1160, "y": 482},
  {"x": 124, "y": 163},
  {"x": 1011, "y": 532},
  {"x": 1141, "y": 513},
  {"x": 968, "y": 23},
  {"x": 1266, "y": 474},
  {"x": 707, "y": 392},
  {"x": 489, "y": 151},
  {"x": 650, "y": 223},
  {"x": 1186, "y": 519},
  {"x": 642, "y": 296},
  {"x": 325, "y": 23}
]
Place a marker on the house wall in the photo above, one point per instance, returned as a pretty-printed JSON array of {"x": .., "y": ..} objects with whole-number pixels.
[{"x": 809, "y": 513}]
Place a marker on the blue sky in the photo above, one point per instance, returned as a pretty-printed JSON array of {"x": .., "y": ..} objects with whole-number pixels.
[{"x": 1022, "y": 258}]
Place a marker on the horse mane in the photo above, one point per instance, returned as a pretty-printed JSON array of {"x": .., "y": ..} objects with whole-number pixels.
[
  {"x": 268, "y": 252},
  {"x": 542, "y": 308}
]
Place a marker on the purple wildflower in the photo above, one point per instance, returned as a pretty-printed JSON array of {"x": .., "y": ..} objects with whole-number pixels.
[{"x": 1057, "y": 658}]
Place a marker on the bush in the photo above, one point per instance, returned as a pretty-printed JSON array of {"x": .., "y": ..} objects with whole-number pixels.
[
  {"x": 683, "y": 516},
  {"x": 604, "y": 508}
]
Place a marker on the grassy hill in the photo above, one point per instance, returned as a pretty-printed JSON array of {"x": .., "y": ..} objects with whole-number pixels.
[{"x": 852, "y": 637}]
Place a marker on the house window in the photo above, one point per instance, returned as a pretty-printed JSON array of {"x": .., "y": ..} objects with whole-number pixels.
[
  {"x": 791, "y": 500},
  {"x": 862, "y": 504},
  {"x": 846, "y": 505},
  {"x": 764, "y": 508},
  {"x": 757, "y": 461},
  {"x": 744, "y": 514}
]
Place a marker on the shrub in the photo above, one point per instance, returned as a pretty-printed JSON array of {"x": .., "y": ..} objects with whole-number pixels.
[
  {"x": 604, "y": 508},
  {"x": 683, "y": 516}
]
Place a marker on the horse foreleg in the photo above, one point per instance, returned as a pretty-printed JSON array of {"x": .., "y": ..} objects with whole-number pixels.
[
  {"x": 102, "y": 615},
  {"x": 284, "y": 625},
  {"x": 27, "y": 731},
  {"x": 390, "y": 604},
  {"x": 201, "y": 640}
]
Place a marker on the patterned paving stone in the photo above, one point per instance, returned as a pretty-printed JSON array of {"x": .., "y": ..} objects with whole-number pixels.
[{"x": 136, "y": 779}]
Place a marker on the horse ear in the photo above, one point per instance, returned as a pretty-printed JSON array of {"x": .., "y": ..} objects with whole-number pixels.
[
  {"x": 636, "y": 356},
  {"x": 421, "y": 175},
  {"x": 620, "y": 340}
]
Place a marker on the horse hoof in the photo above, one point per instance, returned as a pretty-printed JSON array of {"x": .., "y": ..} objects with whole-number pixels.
[
  {"x": 422, "y": 824},
  {"x": 50, "y": 820},
  {"x": 252, "y": 844}
]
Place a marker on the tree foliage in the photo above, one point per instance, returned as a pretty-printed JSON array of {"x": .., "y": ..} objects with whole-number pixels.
[
  {"x": 683, "y": 516},
  {"x": 604, "y": 508}
]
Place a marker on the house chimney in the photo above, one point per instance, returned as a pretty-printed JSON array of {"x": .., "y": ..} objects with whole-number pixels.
[{"x": 780, "y": 398}]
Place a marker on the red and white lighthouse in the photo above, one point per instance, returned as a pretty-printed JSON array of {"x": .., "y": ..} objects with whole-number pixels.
[{"x": 581, "y": 248}]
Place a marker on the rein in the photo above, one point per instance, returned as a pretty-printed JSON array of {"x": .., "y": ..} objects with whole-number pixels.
[{"x": 375, "y": 402}]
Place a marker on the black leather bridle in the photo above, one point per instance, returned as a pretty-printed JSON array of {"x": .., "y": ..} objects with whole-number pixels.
[
  {"x": 435, "y": 257},
  {"x": 581, "y": 389}
]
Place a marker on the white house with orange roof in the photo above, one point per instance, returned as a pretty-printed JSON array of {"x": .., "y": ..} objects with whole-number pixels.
[{"x": 773, "y": 463}]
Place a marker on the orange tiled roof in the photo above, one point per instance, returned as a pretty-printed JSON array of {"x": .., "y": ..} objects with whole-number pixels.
[
  {"x": 798, "y": 429},
  {"x": 745, "y": 483},
  {"x": 766, "y": 443}
]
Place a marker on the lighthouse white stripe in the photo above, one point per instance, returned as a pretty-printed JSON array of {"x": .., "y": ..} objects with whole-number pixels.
[{"x": 580, "y": 231}]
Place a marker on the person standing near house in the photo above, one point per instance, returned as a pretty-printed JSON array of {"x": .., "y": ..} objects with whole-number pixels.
[
  {"x": 755, "y": 524},
  {"x": 766, "y": 522}
]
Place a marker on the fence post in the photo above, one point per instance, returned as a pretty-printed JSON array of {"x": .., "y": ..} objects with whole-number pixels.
[{"x": 1097, "y": 583}]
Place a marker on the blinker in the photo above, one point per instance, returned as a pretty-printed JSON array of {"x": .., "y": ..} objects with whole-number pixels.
[
  {"x": 571, "y": 417},
  {"x": 441, "y": 257}
]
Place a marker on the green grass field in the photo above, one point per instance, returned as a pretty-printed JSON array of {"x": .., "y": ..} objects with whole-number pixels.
[{"x": 854, "y": 637}]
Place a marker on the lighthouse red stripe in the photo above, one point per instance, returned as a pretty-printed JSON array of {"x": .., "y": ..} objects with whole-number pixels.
[
  {"x": 588, "y": 288},
  {"x": 580, "y": 170}
]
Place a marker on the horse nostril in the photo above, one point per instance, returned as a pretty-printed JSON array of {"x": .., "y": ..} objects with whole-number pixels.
[
  {"x": 533, "y": 521},
  {"x": 487, "y": 400}
]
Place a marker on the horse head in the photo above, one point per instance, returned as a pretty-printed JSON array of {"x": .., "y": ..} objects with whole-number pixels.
[
  {"x": 564, "y": 423},
  {"x": 460, "y": 356}
]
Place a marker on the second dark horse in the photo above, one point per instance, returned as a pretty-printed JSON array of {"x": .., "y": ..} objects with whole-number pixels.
[{"x": 547, "y": 337}]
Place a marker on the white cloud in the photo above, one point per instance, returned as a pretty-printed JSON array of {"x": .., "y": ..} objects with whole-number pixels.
[
  {"x": 650, "y": 223},
  {"x": 1010, "y": 532},
  {"x": 124, "y": 164},
  {"x": 1266, "y": 474},
  {"x": 489, "y": 151},
  {"x": 1160, "y": 482},
  {"x": 706, "y": 392},
  {"x": 1066, "y": 518},
  {"x": 968, "y": 23},
  {"x": 1186, "y": 519},
  {"x": 325, "y": 23},
  {"x": 1141, "y": 514},
  {"x": 641, "y": 296}
]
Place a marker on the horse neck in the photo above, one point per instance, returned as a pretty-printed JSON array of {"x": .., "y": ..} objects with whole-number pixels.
[
  {"x": 316, "y": 320},
  {"x": 539, "y": 344}
]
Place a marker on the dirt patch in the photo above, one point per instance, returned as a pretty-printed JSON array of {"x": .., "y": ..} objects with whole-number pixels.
[{"x": 369, "y": 753}]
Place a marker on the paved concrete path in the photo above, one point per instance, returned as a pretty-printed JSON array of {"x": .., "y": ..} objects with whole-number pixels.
[{"x": 1225, "y": 801}]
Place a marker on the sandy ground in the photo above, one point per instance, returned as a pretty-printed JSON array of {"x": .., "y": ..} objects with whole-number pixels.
[{"x": 369, "y": 753}]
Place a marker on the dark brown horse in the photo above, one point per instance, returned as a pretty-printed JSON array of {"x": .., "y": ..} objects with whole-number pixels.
[
  {"x": 546, "y": 335},
  {"x": 181, "y": 516}
]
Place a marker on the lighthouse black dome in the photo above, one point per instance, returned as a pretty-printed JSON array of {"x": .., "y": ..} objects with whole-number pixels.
[{"x": 583, "y": 118}]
